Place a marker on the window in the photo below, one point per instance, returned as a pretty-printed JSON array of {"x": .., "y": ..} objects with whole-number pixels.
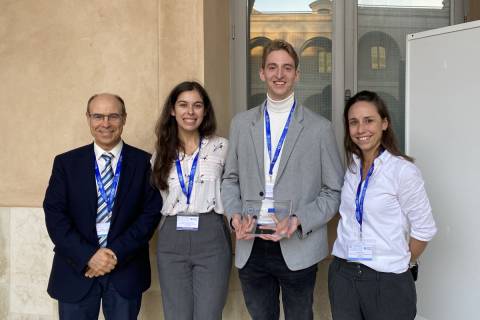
[{"x": 377, "y": 58}]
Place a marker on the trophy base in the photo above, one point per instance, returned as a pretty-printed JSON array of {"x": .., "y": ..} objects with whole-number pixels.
[
  {"x": 264, "y": 215},
  {"x": 259, "y": 231}
]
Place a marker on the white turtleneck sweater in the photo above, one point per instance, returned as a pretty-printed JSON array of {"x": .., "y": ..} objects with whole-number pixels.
[{"x": 278, "y": 112}]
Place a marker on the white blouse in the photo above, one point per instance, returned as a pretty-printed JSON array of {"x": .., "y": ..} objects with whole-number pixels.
[
  {"x": 205, "y": 195},
  {"x": 396, "y": 207}
]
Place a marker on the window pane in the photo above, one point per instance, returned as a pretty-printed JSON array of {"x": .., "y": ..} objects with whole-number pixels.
[
  {"x": 307, "y": 25},
  {"x": 382, "y": 29}
]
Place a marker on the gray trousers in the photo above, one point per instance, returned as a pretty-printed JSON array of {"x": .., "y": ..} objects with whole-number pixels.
[
  {"x": 358, "y": 292},
  {"x": 194, "y": 268}
]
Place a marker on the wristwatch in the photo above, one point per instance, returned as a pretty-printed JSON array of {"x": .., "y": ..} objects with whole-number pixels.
[{"x": 413, "y": 266}]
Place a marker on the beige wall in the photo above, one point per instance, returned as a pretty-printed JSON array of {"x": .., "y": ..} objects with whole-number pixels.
[
  {"x": 217, "y": 74},
  {"x": 55, "y": 54},
  {"x": 180, "y": 43}
]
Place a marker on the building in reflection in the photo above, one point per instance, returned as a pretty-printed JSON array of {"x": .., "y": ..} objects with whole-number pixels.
[{"x": 381, "y": 38}]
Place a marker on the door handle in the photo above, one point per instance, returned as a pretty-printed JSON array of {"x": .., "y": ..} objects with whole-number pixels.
[{"x": 348, "y": 95}]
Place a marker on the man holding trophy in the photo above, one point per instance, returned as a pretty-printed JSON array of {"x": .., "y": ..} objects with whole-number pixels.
[{"x": 281, "y": 186}]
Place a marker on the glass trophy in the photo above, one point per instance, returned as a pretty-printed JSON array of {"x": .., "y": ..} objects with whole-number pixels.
[{"x": 262, "y": 216}]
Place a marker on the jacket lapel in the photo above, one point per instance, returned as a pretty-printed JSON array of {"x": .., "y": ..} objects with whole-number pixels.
[
  {"x": 294, "y": 130},
  {"x": 85, "y": 186},
  {"x": 256, "y": 132},
  {"x": 90, "y": 185}
]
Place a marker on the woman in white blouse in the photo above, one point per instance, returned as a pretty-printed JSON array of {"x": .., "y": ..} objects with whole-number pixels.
[
  {"x": 386, "y": 220},
  {"x": 194, "y": 248}
]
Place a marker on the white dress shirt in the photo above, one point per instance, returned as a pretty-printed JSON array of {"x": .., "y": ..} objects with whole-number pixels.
[
  {"x": 101, "y": 162},
  {"x": 205, "y": 195},
  {"x": 115, "y": 152},
  {"x": 395, "y": 208}
]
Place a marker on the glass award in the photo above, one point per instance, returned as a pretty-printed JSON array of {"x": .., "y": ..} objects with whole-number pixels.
[{"x": 262, "y": 216}]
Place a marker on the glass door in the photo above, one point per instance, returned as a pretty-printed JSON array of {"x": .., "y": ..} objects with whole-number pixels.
[
  {"x": 344, "y": 46},
  {"x": 307, "y": 25},
  {"x": 381, "y": 30}
]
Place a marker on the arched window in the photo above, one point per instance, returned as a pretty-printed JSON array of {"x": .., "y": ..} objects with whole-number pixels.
[
  {"x": 315, "y": 86},
  {"x": 378, "y": 57},
  {"x": 316, "y": 56}
]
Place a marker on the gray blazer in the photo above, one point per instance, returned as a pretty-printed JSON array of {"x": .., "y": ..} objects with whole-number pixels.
[{"x": 310, "y": 173}]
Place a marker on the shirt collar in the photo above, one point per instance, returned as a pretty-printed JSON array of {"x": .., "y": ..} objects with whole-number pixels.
[
  {"x": 280, "y": 106},
  {"x": 115, "y": 150},
  {"x": 378, "y": 160},
  {"x": 204, "y": 142}
]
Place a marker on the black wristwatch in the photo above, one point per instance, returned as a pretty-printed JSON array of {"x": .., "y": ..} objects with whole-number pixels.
[{"x": 413, "y": 266}]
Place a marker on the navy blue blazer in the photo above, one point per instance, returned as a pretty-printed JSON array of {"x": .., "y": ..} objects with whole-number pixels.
[{"x": 70, "y": 207}]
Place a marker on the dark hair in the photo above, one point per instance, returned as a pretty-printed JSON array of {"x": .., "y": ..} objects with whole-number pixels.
[
  {"x": 117, "y": 97},
  {"x": 389, "y": 141},
  {"x": 279, "y": 44},
  {"x": 168, "y": 143}
]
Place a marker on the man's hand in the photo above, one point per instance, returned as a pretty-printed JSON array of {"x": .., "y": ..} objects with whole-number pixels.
[
  {"x": 283, "y": 228},
  {"x": 243, "y": 227},
  {"x": 101, "y": 263}
]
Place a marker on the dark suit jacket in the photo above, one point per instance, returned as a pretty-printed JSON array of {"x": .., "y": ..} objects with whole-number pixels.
[{"x": 70, "y": 207}]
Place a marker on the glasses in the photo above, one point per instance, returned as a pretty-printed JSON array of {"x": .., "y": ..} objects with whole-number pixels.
[{"x": 98, "y": 117}]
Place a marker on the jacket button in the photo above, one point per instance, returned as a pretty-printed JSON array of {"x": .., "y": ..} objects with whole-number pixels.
[{"x": 260, "y": 193}]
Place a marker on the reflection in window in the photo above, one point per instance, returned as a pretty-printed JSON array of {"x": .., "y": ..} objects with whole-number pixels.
[
  {"x": 316, "y": 72},
  {"x": 319, "y": 55},
  {"x": 382, "y": 28},
  {"x": 256, "y": 90},
  {"x": 324, "y": 62},
  {"x": 307, "y": 25},
  {"x": 430, "y": 4},
  {"x": 377, "y": 58},
  {"x": 275, "y": 6},
  {"x": 257, "y": 51},
  {"x": 373, "y": 62}
]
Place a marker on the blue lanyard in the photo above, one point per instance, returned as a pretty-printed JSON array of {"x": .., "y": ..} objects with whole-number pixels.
[
  {"x": 361, "y": 195},
  {"x": 282, "y": 137},
  {"x": 191, "y": 177},
  {"x": 108, "y": 198}
]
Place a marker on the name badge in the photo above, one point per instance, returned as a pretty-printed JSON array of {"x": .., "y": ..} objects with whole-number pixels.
[
  {"x": 102, "y": 229},
  {"x": 361, "y": 250},
  {"x": 187, "y": 223},
  {"x": 267, "y": 212},
  {"x": 269, "y": 190}
]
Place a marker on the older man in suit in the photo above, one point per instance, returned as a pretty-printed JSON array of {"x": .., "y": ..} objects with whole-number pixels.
[
  {"x": 281, "y": 151},
  {"x": 101, "y": 211}
]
